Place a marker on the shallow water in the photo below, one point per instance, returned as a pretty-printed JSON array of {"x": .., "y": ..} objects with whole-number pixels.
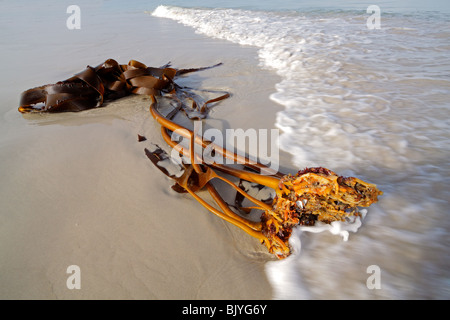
[{"x": 371, "y": 103}]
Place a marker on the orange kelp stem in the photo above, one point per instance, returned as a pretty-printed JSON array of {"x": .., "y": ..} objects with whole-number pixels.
[{"x": 269, "y": 181}]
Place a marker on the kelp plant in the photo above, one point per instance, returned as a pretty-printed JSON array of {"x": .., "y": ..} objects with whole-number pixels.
[{"x": 311, "y": 195}]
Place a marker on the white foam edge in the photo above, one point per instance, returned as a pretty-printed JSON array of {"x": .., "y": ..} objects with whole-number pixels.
[
  {"x": 341, "y": 228},
  {"x": 283, "y": 275}
]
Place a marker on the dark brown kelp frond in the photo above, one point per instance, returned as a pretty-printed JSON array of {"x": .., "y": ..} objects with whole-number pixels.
[
  {"x": 82, "y": 91},
  {"x": 108, "y": 81}
]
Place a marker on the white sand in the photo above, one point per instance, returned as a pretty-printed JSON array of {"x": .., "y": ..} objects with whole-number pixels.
[{"x": 77, "y": 188}]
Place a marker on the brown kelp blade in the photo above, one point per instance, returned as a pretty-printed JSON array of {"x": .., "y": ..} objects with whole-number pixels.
[
  {"x": 109, "y": 80},
  {"x": 82, "y": 91},
  {"x": 157, "y": 157}
]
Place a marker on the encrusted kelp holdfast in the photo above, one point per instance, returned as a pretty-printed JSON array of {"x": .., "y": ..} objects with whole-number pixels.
[{"x": 310, "y": 195}]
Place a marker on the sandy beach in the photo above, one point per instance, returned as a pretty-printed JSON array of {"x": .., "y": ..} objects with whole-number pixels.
[{"x": 77, "y": 188}]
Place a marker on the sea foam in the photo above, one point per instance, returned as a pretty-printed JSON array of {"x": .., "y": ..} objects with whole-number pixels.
[{"x": 366, "y": 103}]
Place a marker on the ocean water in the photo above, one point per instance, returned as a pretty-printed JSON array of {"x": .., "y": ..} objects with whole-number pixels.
[
  {"x": 362, "y": 101},
  {"x": 372, "y": 103}
]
